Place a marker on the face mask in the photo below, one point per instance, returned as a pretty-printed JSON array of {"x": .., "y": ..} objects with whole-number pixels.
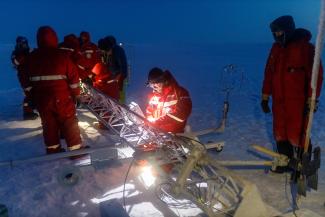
[{"x": 279, "y": 38}]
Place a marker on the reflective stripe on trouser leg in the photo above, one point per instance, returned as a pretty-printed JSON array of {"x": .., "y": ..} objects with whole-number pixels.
[
  {"x": 74, "y": 147},
  {"x": 53, "y": 146}
]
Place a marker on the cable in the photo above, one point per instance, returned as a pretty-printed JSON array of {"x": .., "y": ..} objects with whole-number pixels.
[
  {"x": 126, "y": 176},
  {"x": 156, "y": 193},
  {"x": 293, "y": 204}
]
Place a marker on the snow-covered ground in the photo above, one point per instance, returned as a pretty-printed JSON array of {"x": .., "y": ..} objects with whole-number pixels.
[{"x": 34, "y": 189}]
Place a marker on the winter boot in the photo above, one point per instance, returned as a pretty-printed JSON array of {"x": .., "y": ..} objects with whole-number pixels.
[
  {"x": 285, "y": 148},
  {"x": 54, "y": 150},
  {"x": 280, "y": 169}
]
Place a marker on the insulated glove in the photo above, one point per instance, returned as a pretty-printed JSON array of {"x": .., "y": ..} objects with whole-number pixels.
[{"x": 265, "y": 106}]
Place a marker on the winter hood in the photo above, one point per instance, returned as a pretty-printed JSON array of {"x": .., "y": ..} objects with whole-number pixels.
[
  {"x": 71, "y": 41},
  {"x": 301, "y": 34},
  {"x": 84, "y": 37},
  {"x": 283, "y": 23},
  {"x": 46, "y": 37},
  {"x": 170, "y": 78}
]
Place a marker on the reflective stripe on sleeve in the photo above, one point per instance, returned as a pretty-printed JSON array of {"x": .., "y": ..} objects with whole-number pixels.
[
  {"x": 175, "y": 118},
  {"x": 48, "y": 78},
  {"x": 88, "y": 51},
  {"x": 66, "y": 48},
  {"x": 74, "y": 147},
  {"x": 81, "y": 67},
  {"x": 111, "y": 81},
  {"x": 17, "y": 63},
  {"x": 170, "y": 103},
  {"x": 75, "y": 85},
  {"x": 28, "y": 88}
]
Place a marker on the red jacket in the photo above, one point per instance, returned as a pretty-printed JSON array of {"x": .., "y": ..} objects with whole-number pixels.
[
  {"x": 105, "y": 81},
  {"x": 287, "y": 79},
  {"x": 170, "y": 109},
  {"x": 71, "y": 45},
  {"x": 90, "y": 52},
  {"x": 50, "y": 73}
]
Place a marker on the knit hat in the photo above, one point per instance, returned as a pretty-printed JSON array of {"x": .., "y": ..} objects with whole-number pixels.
[{"x": 156, "y": 75}]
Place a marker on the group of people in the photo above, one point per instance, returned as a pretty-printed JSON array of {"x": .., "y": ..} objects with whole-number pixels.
[{"x": 50, "y": 77}]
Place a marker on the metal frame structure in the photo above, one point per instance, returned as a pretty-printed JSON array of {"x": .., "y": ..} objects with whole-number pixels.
[{"x": 195, "y": 175}]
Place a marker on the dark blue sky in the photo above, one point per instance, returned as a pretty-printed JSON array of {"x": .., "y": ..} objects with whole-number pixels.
[{"x": 153, "y": 21}]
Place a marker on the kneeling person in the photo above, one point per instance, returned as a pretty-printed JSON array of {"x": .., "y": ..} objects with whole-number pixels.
[{"x": 169, "y": 104}]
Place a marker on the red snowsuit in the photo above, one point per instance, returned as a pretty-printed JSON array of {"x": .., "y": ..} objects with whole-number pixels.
[
  {"x": 71, "y": 45},
  {"x": 287, "y": 79},
  {"x": 54, "y": 83},
  {"x": 105, "y": 82},
  {"x": 18, "y": 59},
  {"x": 170, "y": 109},
  {"x": 89, "y": 51}
]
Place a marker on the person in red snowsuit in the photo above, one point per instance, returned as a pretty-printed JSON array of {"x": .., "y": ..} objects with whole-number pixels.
[
  {"x": 169, "y": 104},
  {"x": 18, "y": 58},
  {"x": 90, "y": 53},
  {"x": 54, "y": 86},
  {"x": 72, "y": 46},
  {"x": 104, "y": 81},
  {"x": 287, "y": 80},
  {"x": 168, "y": 108}
]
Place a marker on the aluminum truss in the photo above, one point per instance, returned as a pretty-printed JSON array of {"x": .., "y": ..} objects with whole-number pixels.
[{"x": 195, "y": 176}]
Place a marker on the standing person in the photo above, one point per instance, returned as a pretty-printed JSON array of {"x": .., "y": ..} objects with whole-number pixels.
[
  {"x": 287, "y": 80},
  {"x": 18, "y": 58},
  {"x": 89, "y": 50},
  {"x": 54, "y": 86},
  {"x": 169, "y": 104},
  {"x": 71, "y": 45},
  {"x": 114, "y": 57}
]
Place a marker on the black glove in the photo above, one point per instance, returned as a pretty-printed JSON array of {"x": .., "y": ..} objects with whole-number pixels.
[
  {"x": 265, "y": 106},
  {"x": 88, "y": 81}
]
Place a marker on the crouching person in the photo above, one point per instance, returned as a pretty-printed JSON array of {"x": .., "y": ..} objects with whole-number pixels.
[
  {"x": 169, "y": 104},
  {"x": 53, "y": 82},
  {"x": 168, "y": 108}
]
